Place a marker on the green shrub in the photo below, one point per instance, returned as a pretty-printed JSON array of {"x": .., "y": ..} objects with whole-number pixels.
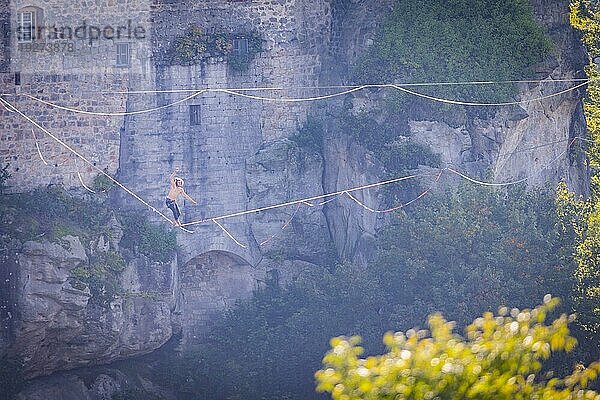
[
  {"x": 60, "y": 231},
  {"x": 241, "y": 62},
  {"x": 190, "y": 48},
  {"x": 102, "y": 183},
  {"x": 583, "y": 216},
  {"x": 112, "y": 261},
  {"x": 196, "y": 47},
  {"x": 500, "y": 358},
  {"x": 152, "y": 240},
  {"x": 101, "y": 276},
  {"x": 456, "y": 40},
  {"x": 54, "y": 213},
  {"x": 310, "y": 135},
  {"x": 397, "y": 152}
]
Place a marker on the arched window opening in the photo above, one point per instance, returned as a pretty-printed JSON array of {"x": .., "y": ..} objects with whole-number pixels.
[{"x": 30, "y": 24}]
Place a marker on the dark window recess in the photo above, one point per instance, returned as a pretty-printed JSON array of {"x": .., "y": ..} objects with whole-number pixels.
[
  {"x": 240, "y": 46},
  {"x": 17, "y": 79},
  {"x": 195, "y": 116},
  {"x": 123, "y": 55},
  {"x": 26, "y": 26}
]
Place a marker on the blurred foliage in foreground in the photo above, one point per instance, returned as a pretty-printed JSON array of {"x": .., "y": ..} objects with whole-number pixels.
[{"x": 499, "y": 359}]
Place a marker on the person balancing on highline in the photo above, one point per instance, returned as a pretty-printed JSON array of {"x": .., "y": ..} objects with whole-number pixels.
[{"x": 175, "y": 190}]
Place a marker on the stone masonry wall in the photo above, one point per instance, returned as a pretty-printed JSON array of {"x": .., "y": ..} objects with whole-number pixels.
[
  {"x": 239, "y": 156},
  {"x": 213, "y": 154},
  {"x": 4, "y": 36},
  {"x": 71, "y": 73},
  {"x": 142, "y": 149}
]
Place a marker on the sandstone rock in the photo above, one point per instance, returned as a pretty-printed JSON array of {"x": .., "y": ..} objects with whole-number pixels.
[
  {"x": 352, "y": 228},
  {"x": 281, "y": 172},
  {"x": 449, "y": 143},
  {"x": 543, "y": 157},
  {"x": 59, "y": 328}
]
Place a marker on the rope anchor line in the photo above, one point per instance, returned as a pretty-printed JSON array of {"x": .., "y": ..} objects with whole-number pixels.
[
  {"x": 84, "y": 159},
  {"x": 241, "y": 93},
  {"x": 308, "y": 201}
]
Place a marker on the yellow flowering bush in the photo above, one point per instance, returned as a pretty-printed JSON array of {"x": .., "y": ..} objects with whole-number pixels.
[{"x": 500, "y": 358}]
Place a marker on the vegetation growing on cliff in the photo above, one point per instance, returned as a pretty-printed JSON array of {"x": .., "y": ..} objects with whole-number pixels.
[
  {"x": 456, "y": 40},
  {"x": 397, "y": 152},
  {"x": 155, "y": 241},
  {"x": 102, "y": 183},
  {"x": 52, "y": 213},
  {"x": 311, "y": 135},
  {"x": 100, "y": 276},
  {"x": 197, "y": 46},
  {"x": 4, "y": 176}
]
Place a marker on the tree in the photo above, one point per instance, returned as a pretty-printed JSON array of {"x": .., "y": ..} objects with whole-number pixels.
[
  {"x": 581, "y": 220},
  {"x": 500, "y": 358},
  {"x": 456, "y": 40},
  {"x": 584, "y": 215},
  {"x": 585, "y": 17},
  {"x": 464, "y": 251}
]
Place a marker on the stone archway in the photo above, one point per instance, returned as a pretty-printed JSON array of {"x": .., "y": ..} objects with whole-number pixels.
[{"x": 210, "y": 283}]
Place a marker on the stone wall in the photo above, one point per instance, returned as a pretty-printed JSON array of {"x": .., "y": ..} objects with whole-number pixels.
[
  {"x": 211, "y": 283},
  {"x": 213, "y": 154},
  {"x": 71, "y": 73},
  {"x": 5, "y": 36},
  {"x": 216, "y": 155},
  {"x": 95, "y": 137},
  {"x": 240, "y": 156},
  {"x": 86, "y": 55}
]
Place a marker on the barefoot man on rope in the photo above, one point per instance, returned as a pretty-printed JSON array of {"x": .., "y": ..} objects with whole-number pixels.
[{"x": 175, "y": 190}]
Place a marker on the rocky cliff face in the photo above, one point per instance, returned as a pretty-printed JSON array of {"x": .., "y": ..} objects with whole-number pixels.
[
  {"x": 57, "y": 323},
  {"x": 537, "y": 140}
]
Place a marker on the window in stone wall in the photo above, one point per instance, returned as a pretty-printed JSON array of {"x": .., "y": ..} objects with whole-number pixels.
[
  {"x": 29, "y": 24},
  {"x": 240, "y": 46},
  {"x": 195, "y": 116},
  {"x": 123, "y": 55}
]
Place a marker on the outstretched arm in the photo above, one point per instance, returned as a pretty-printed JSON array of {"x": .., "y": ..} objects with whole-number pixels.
[
  {"x": 184, "y": 194},
  {"x": 172, "y": 177}
]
